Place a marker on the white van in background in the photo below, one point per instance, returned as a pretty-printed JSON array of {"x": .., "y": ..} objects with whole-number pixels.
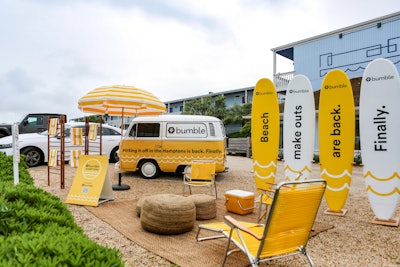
[{"x": 169, "y": 143}]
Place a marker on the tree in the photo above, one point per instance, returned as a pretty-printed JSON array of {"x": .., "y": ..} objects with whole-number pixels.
[
  {"x": 216, "y": 107},
  {"x": 92, "y": 118},
  {"x": 246, "y": 129},
  {"x": 235, "y": 114},
  {"x": 209, "y": 106},
  {"x": 219, "y": 108}
]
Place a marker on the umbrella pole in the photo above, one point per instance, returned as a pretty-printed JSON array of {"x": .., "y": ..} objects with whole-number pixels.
[
  {"x": 120, "y": 186},
  {"x": 86, "y": 135},
  {"x": 122, "y": 123}
]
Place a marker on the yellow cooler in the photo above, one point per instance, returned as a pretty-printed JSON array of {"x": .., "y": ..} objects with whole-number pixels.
[{"x": 239, "y": 201}]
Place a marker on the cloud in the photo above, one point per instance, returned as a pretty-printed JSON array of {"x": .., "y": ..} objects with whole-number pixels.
[{"x": 53, "y": 52}]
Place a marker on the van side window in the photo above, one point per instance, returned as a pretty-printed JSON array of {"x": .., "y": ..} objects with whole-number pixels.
[
  {"x": 132, "y": 133},
  {"x": 148, "y": 130},
  {"x": 212, "y": 129}
]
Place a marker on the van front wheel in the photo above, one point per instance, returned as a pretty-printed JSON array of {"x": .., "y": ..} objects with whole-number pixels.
[{"x": 149, "y": 169}]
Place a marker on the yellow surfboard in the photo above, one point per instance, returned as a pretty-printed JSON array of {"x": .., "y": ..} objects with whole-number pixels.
[
  {"x": 336, "y": 134},
  {"x": 265, "y": 126}
]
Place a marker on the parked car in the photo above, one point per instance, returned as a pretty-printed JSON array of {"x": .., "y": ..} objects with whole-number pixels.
[
  {"x": 30, "y": 123},
  {"x": 35, "y": 145}
]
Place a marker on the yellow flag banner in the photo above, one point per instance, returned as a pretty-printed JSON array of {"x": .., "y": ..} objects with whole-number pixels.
[
  {"x": 74, "y": 160},
  {"x": 91, "y": 185},
  {"x": 76, "y": 136},
  {"x": 53, "y": 126},
  {"x": 53, "y": 158},
  {"x": 93, "y": 131}
]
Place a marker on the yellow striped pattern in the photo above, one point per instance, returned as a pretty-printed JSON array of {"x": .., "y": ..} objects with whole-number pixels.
[
  {"x": 93, "y": 131},
  {"x": 74, "y": 160},
  {"x": 76, "y": 136},
  {"x": 53, "y": 158},
  {"x": 53, "y": 126},
  {"x": 120, "y": 100}
]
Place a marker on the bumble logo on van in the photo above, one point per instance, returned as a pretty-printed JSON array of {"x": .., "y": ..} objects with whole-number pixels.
[{"x": 192, "y": 130}]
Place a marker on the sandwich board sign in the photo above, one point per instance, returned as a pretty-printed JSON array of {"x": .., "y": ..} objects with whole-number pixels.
[
  {"x": 379, "y": 136},
  {"x": 265, "y": 127},
  {"x": 91, "y": 185},
  {"x": 336, "y": 133},
  {"x": 299, "y": 129}
]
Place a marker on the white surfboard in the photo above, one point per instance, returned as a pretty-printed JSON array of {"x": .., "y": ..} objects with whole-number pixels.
[
  {"x": 298, "y": 129},
  {"x": 380, "y": 136}
]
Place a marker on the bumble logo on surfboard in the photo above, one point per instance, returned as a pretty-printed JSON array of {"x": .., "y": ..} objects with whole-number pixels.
[
  {"x": 298, "y": 129},
  {"x": 380, "y": 138},
  {"x": 265, "y": 132},
  {"x": 336, "y": 138}
]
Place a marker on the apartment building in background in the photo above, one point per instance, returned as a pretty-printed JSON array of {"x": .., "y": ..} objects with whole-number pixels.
[{"x": 349, "y": 49}]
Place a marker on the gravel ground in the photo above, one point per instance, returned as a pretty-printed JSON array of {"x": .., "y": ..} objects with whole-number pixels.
[{"x": 354, "y": 240}]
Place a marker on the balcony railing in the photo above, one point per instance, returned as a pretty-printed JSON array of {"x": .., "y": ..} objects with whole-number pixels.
[{"x": 281, "y": 80}]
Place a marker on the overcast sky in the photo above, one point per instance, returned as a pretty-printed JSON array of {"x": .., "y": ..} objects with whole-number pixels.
[{"x": 54, "y": 52}]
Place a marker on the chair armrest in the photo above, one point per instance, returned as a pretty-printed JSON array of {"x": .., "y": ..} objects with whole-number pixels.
[
  {"x": 236, "y": 224},
  {"x": 267, "y": 190}
]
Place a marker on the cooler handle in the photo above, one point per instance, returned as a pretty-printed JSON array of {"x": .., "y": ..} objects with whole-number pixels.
[{"x": 245, "y": 208}]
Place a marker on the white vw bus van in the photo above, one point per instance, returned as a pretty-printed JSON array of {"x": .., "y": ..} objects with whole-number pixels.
[{"x": 169, "y": 143}]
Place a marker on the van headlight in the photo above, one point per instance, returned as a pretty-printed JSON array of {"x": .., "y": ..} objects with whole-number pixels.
[{"x": 3, "y": 146}]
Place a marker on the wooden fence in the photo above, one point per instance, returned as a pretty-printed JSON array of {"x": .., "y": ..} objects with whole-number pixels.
[{"x": 239, "y": 146}]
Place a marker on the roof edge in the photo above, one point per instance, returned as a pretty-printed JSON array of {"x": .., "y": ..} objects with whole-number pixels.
[{"x": 341, "y": 30}]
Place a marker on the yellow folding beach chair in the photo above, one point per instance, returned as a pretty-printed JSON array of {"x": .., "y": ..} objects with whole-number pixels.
[
  {"x": 287, "y": 229},
  {"x": 202, "y": 173},
  {"x": 264, "y": 200},
  {"x": 266, "y": 192}
]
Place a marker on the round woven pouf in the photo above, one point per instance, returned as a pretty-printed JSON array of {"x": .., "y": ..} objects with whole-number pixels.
[
  {"x": 139, "y": 206},
  {"x": 206, "y": 207},
  {"x": 167, "y": 214}
]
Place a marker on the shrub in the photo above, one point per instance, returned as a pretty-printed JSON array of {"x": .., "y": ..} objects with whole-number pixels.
[
  {"x": 37, "y": 229},
  {"x": 358, "y": 159},
  {"x": 7, "y": 170},
  {"x": 316, "y": 158}
]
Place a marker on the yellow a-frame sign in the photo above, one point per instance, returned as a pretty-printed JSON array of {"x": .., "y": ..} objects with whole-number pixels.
[{"x": 91, "y": 185}]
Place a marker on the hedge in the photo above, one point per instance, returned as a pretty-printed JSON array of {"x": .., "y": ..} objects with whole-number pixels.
[{"x": 37, "y": 229}]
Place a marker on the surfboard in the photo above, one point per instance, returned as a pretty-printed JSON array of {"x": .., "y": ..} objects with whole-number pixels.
[
  {"x": 336, "y": 136},
  {"x": 298, "y": 129},
  {"x": 380, "y": 136},
  {"x": 265, "y": 126}
]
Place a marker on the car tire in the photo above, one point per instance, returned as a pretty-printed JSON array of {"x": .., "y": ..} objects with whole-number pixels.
[
  {"x": 33, "y": 156},
  {"x": 149, "y": 169},
  {"x": 114, "y": 155}
]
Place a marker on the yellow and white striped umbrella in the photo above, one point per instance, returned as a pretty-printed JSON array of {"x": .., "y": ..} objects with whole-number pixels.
[{"x": 120, "y": 100}]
